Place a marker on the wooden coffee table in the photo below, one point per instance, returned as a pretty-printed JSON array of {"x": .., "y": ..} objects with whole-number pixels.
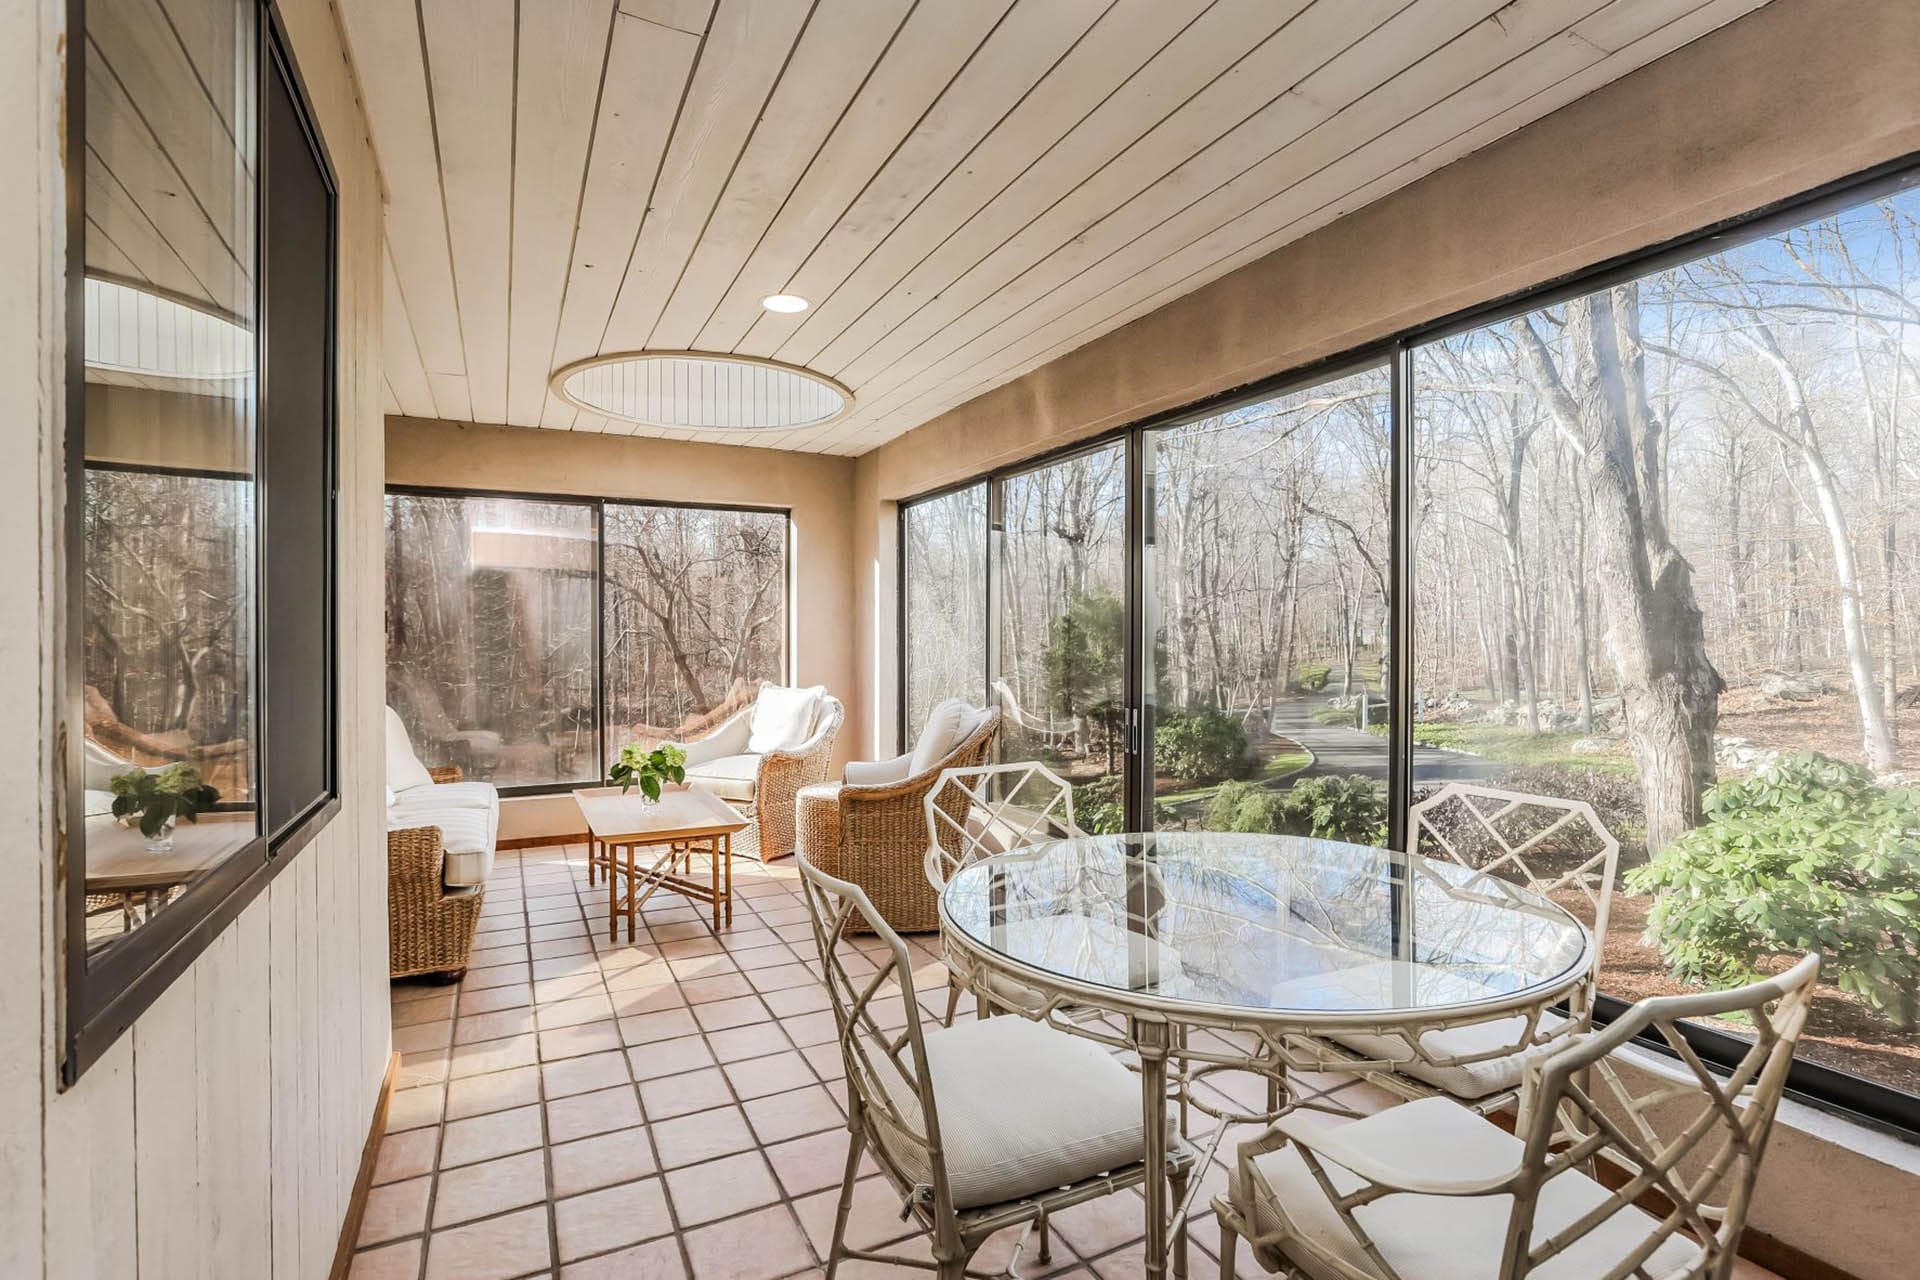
[{"x": 686, "y": 823}]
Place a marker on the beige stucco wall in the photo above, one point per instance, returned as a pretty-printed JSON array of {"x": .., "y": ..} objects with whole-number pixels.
[
  {"x": 1794, "y": 96},
  {"x": 817, "y": 491}
]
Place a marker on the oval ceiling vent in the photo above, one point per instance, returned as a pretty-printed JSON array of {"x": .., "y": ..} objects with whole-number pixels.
[
  {"x": 138, "y": 336},
  {"x": 702, "y": 391}
]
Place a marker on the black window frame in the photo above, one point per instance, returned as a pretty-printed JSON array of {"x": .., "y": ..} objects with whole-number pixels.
[
  {"x": 1856, "y": 1097},
  {"x": 598, "y": 504},
  {"x": 104, "y": 994}
]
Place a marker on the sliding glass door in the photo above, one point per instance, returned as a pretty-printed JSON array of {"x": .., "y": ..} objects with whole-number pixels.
[
  {"x": 1266, "y": 608},
  {"x": 943, "y": 589},
  {"x": 1059, "y": 673}
]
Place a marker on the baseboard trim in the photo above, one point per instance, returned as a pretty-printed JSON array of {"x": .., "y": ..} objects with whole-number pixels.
[
  {"x": 541, "y": 842},
  {"x": 363, "y": 1181}
]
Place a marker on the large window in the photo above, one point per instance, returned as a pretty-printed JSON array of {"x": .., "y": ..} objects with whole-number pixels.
[
  {"x": 1268, "y": 607},
  {"x": 943, "y": 556},
  {"x": 201, "y": 465},
  {"x": 1652, "y": 542},
  {"x": 529, "y": 638}
]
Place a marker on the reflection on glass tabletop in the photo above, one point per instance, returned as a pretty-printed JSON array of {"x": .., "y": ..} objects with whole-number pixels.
[{"x": 1265, "y": 923}]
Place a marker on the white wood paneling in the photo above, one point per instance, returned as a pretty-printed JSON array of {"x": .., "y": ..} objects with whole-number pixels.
[
  {"x": 220, "y": 1135},
  {"x": 956, "y": 192}
]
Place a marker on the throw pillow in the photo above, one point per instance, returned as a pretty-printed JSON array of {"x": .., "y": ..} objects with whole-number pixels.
[
  {"x": 404, "y": 769},
  {"x": 783, "y": 718}
]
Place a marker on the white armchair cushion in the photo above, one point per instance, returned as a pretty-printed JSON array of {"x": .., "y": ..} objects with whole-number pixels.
[
  {"x": 729, "y": 777},
  {"x": 468, "y": 815},
  {"x": 783, "y": 718},
  {"x": 945, "y": 729},
  {"x": 1024, "y": 1108},
  {"x": 1443, "y": 1237},
  {"x": 1469, "y": 1080},
  {"x": 729, "y": 739},
  {"x": 404, "y": 770},
  {"x": 872, "y": 773}
]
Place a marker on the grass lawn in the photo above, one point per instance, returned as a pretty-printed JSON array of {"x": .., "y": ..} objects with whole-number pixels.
[
  {"x": 1512, "y": 744},
  {"x": 1271, "y": 771}
]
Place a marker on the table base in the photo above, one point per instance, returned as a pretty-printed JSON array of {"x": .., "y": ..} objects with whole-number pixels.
[{"x": 644, "y": 878}]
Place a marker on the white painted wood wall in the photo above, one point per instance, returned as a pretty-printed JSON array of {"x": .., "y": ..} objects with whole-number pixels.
[{"x": 220, "y": 1137}]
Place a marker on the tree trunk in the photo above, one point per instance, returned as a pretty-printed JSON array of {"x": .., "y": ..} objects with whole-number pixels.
[{"x": 1655, "y": 635}]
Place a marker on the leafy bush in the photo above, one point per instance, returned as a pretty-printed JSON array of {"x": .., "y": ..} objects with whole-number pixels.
[
  {"x": 1202, "y": 746},
  {"x": 1808, "y": 854},
  {"x": 1311, "y": 677},
  {"x": 1349, "y": 807},
  {"x": 1100, "y": 809}
]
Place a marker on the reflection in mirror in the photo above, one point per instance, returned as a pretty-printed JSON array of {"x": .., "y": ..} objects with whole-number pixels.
[{"x": 168, "y": 526}]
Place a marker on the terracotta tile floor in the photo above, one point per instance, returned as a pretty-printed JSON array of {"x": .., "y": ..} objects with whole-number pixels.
[{"x": 664, "y": 1108}]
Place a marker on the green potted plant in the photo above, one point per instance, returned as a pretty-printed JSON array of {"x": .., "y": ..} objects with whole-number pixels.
[
  {"x": 648, "y": 770},
  {"x": 160, "y": 800}
]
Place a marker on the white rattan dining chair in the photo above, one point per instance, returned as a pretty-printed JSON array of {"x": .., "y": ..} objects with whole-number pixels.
[
  {"x": 977, "y": 811},
  {"x": 1556, "y": 848},
  {"x": 1616, "y": 1169},
  {"x": 979, "y": 1127}
]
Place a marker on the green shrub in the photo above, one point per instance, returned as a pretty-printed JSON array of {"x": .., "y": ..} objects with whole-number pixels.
[
  {"x": 1099, "y": 808},
  {"x": 1808, "y": 854},
  {"x": 1311, "y": 677},
  {"x": 1201, "y": 746},
  {"x": 1334, "y": 807}
]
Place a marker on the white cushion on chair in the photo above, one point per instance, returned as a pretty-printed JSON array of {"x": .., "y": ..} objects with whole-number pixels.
[
  {"x": 468, "y": 815},
  {"x": 783, "y": 718},
  {"x": 404, "y": 770},
  {"x": 1024, "y": 1108},
  {"x": 939, "y": 735},
  {"x": 729, "y": 777},
  {"x": 1443, "y": 1237},
  {"x": 1469, "y": 1080}
]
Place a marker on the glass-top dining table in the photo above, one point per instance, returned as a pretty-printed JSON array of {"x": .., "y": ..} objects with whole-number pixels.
[{"x": 1281, "y": 942}]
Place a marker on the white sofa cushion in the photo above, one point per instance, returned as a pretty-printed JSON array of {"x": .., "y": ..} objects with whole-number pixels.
[
  {"x": 783, "y": 718},
  {"x": 1444, "y": 1237},
  {"x": 1024, "y": 1108},
  {"x": 468, "y": 815},
  {"x": 729, "y": 777},
  {"x": 404, "y": 770}
]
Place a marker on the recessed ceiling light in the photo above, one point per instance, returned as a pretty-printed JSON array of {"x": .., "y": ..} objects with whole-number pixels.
[{"x": 785, "y": 303}]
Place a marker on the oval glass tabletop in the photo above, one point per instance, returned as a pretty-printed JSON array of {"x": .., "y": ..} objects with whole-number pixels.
[{"x": 1265, "y": 924}]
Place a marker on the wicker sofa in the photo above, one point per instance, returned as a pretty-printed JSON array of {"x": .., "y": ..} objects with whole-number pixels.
[
  {"x": 441, "y": 832},
  {"x": 763, "y": 784},
  {"x": 871, "y": 829}
]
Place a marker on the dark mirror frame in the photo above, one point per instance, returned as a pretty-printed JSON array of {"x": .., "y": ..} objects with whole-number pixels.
[
  {"x": 104, "y": 994},
  {"x": 1826, "y": 1087}
]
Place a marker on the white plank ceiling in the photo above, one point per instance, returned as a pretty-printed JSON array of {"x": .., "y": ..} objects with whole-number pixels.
[{"x": 964, "y": 189}]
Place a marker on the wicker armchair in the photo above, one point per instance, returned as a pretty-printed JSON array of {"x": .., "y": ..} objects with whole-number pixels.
[
  {"x": 429, "y": 926},
  {"x": 874, "y": 834},
  {"x": 763, "y": 785}
]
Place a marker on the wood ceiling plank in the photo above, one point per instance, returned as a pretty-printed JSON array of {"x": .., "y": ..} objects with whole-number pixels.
[
  {"x": 839, "y": 48},
  {"x": 149, "y": 187},
  {"x": 562, "y": 59},
  {"x": 406, "y": 373},
  {"x": 471, "y": 71},
  {"x": 385, "y": 41},
  {"x": 1207, "y": 137},
  {"x": 746, "y": 48},
  {"x": 690, "y": 16},
  {"x": 1138, "y": 62},
  {"x": 929, "y": 51},
  {"x": 121, "y": 242},
  {"x": 648, "y": 66},
  {"x": 1015, "y": 58},
  {"x": 1553, "y": 73}
]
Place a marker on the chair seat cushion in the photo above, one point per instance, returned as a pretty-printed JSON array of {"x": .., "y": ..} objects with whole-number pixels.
[
  {"x": 729, "y": 777},
  {"x": 468, "y": 815},
  {"x": 1469, "y": 1080},
  {"x": 1442, "y": 1237},
  {"x": 1024, "y": 1108}
]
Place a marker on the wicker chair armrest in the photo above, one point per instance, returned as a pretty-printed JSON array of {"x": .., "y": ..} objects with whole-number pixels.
[
  {"x": 1327, "y": 1143},
  {"x": 415, "y": 855},
  {"x": 447, "y": 773}
]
